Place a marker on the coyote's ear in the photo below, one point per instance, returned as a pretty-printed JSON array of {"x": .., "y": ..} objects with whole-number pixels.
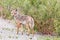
[{"x": 16, "y": 10}]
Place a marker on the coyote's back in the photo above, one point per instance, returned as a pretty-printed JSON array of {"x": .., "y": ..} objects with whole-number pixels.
[{"x": 24, "y": 19}]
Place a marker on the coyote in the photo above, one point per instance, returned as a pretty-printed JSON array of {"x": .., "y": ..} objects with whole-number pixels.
[{"x": 26, "y": 20}]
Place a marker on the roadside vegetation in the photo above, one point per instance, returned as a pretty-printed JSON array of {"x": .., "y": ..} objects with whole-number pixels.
[{"x": 46, "y": 13}]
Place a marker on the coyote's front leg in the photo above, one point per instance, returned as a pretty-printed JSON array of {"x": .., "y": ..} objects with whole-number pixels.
[{"x": 18, "y": 26}]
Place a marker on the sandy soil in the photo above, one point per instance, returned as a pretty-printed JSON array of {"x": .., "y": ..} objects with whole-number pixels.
[{"x": 8, "y": 32}]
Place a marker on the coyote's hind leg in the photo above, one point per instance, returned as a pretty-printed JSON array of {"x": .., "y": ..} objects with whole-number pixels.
[{"x": 28, "y": 29}]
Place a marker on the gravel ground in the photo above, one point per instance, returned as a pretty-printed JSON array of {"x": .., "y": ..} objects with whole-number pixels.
[{"x": 8, "y": 32}]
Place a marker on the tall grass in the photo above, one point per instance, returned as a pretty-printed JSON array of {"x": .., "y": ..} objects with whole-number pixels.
[{"x": 40, "y": 10}]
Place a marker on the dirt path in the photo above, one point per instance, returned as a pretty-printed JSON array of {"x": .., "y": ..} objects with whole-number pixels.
[{"x": 8, "y": 32}]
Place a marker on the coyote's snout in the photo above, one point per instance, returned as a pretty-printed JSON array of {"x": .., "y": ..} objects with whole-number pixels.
[{"x": 23, "y": 20}]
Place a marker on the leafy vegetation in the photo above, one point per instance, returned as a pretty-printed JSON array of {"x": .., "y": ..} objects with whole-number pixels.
[
  {"x": 46, "y": 13},
  {"x": 48, "y": 38}
]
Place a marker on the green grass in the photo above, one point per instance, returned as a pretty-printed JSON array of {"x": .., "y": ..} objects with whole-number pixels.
[{"x": 48, "y": 38}]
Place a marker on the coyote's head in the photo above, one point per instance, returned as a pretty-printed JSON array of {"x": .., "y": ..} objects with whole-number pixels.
[{"x": 14, "y": 12}]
